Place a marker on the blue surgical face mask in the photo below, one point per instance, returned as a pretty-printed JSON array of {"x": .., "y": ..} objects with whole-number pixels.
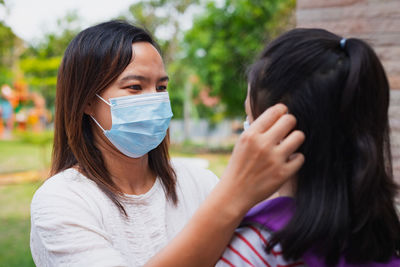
[
  {"x": 139, "y": 122},
  {"x": 246, "y": 124}
]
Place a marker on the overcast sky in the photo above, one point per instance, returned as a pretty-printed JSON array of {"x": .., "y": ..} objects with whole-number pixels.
[{"x": 30, "y": 19}]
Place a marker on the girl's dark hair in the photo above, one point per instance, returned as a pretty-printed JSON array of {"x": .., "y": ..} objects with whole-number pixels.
[
  {"x": 345, "y": 190},
  {"x": 91, "y": 63}
]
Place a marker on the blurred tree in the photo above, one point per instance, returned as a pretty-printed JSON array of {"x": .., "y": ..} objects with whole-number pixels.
[
  {"x": 40, "y": 62},
  {"x": 8, "y": 45},
  {"x": 225, "y": 39},
  {"x": 163, "y": 18}
]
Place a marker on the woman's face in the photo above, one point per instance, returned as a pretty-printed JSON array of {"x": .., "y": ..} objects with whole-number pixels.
[
  {"x": 247, "y": 106},
  {"x": 144, "y": 74}
]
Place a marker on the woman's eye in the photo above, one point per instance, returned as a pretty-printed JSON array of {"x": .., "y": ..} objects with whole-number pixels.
[
  {"x": 135, "y": 87},
  {"x": 161, "y": 88}
]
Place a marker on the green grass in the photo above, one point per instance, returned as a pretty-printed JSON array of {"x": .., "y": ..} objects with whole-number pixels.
[
  {"x": 15, "y": 224},
  {"x": 217, "y": 161},
  {"x": 17, "y": 155}
]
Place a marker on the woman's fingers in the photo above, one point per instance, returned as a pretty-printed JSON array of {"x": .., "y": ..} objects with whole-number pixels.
[
  {"x": 291, "y": 143},
  {"x": 268, "y": 118},
  {"x": 294, "y": 163},
  {"x": 283, "y": 126},
  {"x": 261, "y": 160}
]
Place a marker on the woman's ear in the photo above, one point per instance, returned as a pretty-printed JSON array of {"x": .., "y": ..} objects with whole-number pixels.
[{"x": 89, "y": 109}]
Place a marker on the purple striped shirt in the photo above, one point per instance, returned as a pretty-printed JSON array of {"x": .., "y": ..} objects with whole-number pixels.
[{"x": 247, "y": 247}]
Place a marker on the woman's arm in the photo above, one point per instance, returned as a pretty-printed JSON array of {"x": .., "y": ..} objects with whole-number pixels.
[
  {"x": 67, "y": 227},
  {"x": 261, "y": 162}
]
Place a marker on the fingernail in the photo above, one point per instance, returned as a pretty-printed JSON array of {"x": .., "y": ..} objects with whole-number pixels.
[{"x": 282, "y": 107}]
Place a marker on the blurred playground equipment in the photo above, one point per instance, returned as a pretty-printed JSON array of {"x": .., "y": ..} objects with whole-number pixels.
[{"x": 22, "y": 110}]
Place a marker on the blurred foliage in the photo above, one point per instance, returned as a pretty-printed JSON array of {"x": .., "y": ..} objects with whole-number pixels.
[
  {"x": 6, "y": 75},
  {"x": 41, "y": 139},
  {"x": 55, "y": 43},
  {"x": 15, "y": 224},
  {"x": 225, "y": 40},
  {"x": 40, "y": 62},
  {"x": 189, "y": 147},
  {"x": 8, "y": 42},
  {"x": 20, "y": 156},
  {"x": 160, "y": 16}
]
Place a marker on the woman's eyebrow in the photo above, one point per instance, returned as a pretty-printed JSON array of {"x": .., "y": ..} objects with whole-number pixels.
[
  {"x": 134, "y": 77},
  {"x": 141, "y": 78},
  {"x": 164, "y": 79}
]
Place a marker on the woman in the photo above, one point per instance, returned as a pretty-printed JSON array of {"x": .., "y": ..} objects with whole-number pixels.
[
  {"x": 114, "y": 198},
  {"x": 339, "y": 209}
]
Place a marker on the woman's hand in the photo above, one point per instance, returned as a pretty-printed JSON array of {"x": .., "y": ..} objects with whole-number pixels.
[
  {"x": 261, "y": 162},
  {"x": 264, "y": 157}
]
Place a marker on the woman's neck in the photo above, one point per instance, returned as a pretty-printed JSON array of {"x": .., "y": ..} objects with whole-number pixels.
[{"x": 132, "y": 175}]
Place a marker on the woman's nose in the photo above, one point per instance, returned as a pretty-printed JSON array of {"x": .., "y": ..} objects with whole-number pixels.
[{"x": 151, "y": 89}]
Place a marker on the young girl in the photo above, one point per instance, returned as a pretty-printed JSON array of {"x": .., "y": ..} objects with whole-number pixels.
[{"x": 338, "y": 210}]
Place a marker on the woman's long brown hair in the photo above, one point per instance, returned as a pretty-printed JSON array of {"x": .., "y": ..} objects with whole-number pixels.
[{"x": 91, "y": 63}]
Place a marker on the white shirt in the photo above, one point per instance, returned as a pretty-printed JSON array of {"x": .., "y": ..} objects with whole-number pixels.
[{"x": 73, "y": 223}]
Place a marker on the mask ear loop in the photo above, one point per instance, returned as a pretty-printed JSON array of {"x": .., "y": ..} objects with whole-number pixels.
[
  {"x": 105, "y": 101},
  {"x": 98, "y": 124}
]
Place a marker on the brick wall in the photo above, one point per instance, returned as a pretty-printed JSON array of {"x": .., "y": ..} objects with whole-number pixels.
[{"x": 377, "y": 22}]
